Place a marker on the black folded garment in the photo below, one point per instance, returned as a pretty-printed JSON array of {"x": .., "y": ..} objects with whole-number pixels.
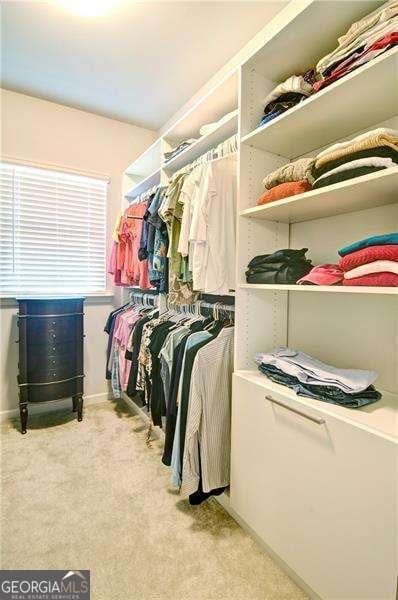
[
  {"x": 284, "y": 102},
  {"x": 326, "y": 393},
  {"x": 283, "y": 266},
  {"x": 344, "y": 176}
]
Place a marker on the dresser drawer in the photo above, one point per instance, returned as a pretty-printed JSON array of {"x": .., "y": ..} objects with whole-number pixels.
[
  {"x": 318, "y": 490},
  {"x": 51, "y": 391},
  {"x": 52, "y": 330},
  {"x": 52, "y": 368}
]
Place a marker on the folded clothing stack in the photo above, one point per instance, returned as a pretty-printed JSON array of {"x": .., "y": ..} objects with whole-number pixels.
[
  {"x": 310, "y": 377},
  {"x": 289, "y": 180},
  {"x": 283, "y": 266},
  {"x": 372, "y": 261},
  {"x": 209, "y": 127},
  {"x": 285, "y": 96},
  {"x": 364, "y": 154},
  {"x": 181, "y": 146},
  {"x": 365, "y": 40}
]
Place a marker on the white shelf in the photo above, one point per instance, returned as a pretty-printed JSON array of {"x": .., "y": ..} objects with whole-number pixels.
[
  {"x": 147, "y": 163},
  {"x": 219, "y": 101},
  {"x": 369, "y": 191},
  {"x": 380, "y": 417},
  {"x": 143, "y": 185},
  {"x": 344, "y": 107},
  {"x": 302, "y": 33},
  {"x": 206, "y": 142},
  {"x": 330, "y": 289}
]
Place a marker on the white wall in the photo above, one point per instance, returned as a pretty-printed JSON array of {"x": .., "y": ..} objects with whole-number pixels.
[{"x": 44, "y": 133}]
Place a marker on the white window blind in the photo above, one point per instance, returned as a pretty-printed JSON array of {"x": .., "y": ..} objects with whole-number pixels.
[{"x": 52, "y": 231}]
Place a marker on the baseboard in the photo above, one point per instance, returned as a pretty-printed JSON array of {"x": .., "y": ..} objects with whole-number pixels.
[{"x": 46, "y": 407}]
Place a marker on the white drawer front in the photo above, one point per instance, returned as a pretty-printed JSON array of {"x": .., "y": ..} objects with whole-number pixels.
[{"x": 321, "y": 495}]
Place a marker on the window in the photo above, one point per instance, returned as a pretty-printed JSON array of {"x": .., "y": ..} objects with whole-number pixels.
[{"x": 52, "y": 231}]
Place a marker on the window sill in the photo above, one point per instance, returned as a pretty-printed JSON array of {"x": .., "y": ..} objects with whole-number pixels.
[{"x": 7, "y": 300}]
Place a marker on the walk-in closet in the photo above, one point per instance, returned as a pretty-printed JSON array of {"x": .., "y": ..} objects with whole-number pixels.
[{"x": 199, "y": 300}]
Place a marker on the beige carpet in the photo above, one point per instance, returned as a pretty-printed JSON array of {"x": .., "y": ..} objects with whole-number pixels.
[{"x": 92, "y": 495}]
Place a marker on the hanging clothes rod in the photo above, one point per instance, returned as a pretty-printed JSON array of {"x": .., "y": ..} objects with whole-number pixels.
[{"x": 222, "y": 150}]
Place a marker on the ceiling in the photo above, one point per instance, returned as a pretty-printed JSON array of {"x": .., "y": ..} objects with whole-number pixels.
[{"x": 138, "y": 63}]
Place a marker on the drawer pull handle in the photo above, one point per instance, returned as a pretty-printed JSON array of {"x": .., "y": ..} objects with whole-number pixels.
[{"x": 316, "y": 420}]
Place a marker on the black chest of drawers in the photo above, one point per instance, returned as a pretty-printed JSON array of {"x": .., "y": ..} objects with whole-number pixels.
[{"x": 50, "y": 366}]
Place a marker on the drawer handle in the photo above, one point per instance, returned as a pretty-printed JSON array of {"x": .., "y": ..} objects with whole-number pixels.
[{"x": 316, "y": 420}]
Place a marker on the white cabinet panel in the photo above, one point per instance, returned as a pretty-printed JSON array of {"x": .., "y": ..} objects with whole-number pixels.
[{"x": 322, "y": 496}]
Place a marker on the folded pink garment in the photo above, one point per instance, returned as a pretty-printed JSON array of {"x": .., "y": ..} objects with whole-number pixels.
[
  {"x": 374, "y": 279},
  {"x": 367, "y": 255},
  {"x": 377, "y": 266}
]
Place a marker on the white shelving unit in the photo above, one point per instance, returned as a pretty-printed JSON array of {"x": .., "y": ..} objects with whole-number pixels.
[
  {"x": 314, "y": 481},
  {"x": 294, "y": 458}
]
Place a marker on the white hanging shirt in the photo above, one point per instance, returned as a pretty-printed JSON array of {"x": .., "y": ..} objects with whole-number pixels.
[{"x": 214, "y": 229}]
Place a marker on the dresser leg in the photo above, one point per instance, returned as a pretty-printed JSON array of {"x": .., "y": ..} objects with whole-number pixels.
[
  {"x": 74, "y": 403},
  {"x": 79, "y": 402},
  {"x": 23, "y": 412}
]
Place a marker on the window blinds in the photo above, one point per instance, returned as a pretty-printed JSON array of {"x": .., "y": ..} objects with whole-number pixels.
[{"x": 52, "y": 231}]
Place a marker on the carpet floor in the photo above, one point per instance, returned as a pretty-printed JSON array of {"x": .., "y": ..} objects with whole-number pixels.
[{"x": 92, "y": 495}]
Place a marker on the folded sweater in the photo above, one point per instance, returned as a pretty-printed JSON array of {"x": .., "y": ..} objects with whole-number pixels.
[
  {"x": 374, "y": 279},
  {"x": 374, "y": 240},
  {"x": 371, "y": 139},
  {"x": 344, "y": 176},
  {"x": 293, "y": 171},
  {"x": 284, "y": 190},
  {"x": 367, "y": 255},
  {"x": 379, "y": 152}
]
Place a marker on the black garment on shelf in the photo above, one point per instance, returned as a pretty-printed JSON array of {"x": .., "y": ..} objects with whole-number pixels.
[
  {"x": 284, "y": 102},
  {"x": 379, "y": 152},
  {"x": 344, "y": 176},
  {"x": 283, "y": 266},
  {"x": 329, "y": 393}
]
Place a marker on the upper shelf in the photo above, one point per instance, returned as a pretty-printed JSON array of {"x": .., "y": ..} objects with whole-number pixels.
[
  {"x": 147, "y": 162},
  {"x": 220, "y": 100},
  {"x": 303, "y": 32},
  {"x": 369, "y": 191},
  {"x": 204, "y": 143},
  {"x": 145, "y": 184},
  {"x": 346, "y": 106}
]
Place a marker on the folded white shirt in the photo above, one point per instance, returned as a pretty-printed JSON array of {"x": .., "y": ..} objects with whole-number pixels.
[
  {"x": 209, "y": 127},
  {"x": 377, "y": 266},
  {"x": 294, "y": 84}
]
